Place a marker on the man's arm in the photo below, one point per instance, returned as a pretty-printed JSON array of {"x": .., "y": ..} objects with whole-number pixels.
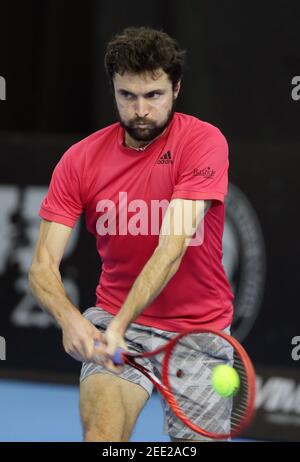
[
  {"x": 44, "y": 275},
  {"x": 47, "y": 287},
  {"x": 161, "y": 267}
]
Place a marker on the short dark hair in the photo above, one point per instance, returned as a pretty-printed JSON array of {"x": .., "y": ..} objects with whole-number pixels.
[{"x": 141, "y": 49}]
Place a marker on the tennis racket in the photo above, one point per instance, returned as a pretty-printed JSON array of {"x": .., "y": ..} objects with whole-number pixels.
[{"x": 180, "y": 376}]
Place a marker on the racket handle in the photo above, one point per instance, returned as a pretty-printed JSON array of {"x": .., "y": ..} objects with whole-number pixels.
[{"x": 118, "y": 357}]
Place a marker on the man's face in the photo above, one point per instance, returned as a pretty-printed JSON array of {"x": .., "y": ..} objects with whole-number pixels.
[{"x": 145, "y": 103}]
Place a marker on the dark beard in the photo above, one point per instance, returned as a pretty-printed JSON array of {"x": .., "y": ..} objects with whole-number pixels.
[{"x": 148, "y": 133}]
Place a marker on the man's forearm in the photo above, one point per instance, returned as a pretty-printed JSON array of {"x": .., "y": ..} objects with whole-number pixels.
[
  {"x": 47, "y": 287},
  {"x": 155, "y": 275}
]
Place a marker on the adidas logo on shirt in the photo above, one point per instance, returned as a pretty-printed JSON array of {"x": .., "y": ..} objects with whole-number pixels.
[{"x": 165, "y": 158}]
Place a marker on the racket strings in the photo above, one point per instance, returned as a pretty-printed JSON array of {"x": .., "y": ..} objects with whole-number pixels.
[
  {"x": 241, "y": 400},
  {"x": 190, "y": 380},
  {"x": 193, "y": 397}
]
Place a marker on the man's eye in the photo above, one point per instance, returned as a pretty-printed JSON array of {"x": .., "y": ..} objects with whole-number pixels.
[
  {"x": 128, "y": 95},
  {"x": 154, "y": 95}
]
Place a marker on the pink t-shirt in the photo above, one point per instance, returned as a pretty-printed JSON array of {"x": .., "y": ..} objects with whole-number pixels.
[{"x": 116, "y": 187}]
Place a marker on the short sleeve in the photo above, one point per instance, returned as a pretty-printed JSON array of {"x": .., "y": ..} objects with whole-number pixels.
[
  {"x": 63, "y": 203},
  {"x": 203, "y": 168}
]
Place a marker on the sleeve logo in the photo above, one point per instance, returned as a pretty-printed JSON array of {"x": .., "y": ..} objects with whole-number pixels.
[{"x": 205, "y": 172}]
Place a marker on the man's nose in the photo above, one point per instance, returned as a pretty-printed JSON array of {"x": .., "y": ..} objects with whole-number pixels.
[{"x": 141, "y": 108}]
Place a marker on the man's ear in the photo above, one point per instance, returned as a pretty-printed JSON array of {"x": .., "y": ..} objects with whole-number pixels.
[{"x": 177, "y": 88}]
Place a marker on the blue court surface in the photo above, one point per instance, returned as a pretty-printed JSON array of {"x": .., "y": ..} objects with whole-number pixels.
[{"x": 46, "y": 412}]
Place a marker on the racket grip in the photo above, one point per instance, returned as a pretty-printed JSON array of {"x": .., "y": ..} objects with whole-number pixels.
[{"x": 118, "y": 357}]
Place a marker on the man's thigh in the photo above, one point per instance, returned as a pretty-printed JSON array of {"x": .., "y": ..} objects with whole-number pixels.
[
  {"x": 110, "y": 403},
  {"x": 109, "y": 407}
]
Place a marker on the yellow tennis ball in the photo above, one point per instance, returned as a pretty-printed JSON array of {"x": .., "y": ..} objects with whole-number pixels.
[{"x": 225, "y": 380}]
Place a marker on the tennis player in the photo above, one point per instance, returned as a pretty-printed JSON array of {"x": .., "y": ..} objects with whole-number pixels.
[{"x": 136, "y": 181}]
